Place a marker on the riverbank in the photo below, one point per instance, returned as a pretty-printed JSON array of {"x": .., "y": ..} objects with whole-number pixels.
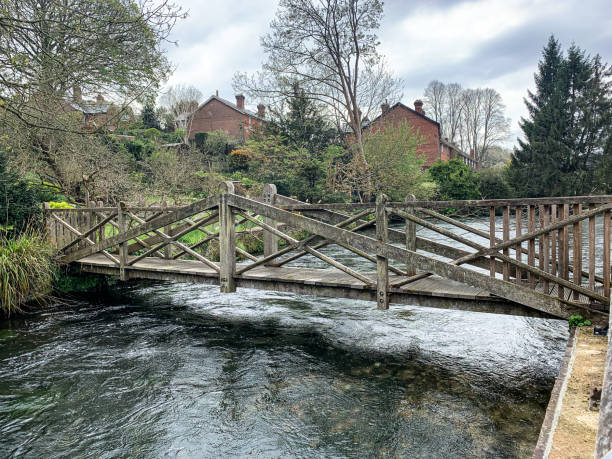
[{"x": 570, "y": 427}]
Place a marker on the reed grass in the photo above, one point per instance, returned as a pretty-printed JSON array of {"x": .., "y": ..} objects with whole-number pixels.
[{"x": 26, "y": 270}]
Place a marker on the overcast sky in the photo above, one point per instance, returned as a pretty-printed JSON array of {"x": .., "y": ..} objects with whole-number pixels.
[{"x": 479, "y": 43}]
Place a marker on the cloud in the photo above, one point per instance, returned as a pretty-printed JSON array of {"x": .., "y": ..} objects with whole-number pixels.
[{"x": 477, "y": 43}]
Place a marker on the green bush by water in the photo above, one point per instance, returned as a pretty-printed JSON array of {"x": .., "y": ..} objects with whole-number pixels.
[
  {"x": 578, "y": 321},
  {"x": 26, "y": 270}
]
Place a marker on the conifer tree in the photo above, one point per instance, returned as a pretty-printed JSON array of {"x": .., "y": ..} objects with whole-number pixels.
[{"x": 568, "y": 125}]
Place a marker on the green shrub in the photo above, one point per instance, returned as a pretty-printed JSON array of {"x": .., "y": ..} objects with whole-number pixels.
[
  {"x": 26, "y": 270},
  {"x": 493, "y": 183},
  {"x": 60, "y": 205},
  {"x": 578, "y": 321},
  {"x": 20, "y": 205},
  {"x": 455, "y": 180}
]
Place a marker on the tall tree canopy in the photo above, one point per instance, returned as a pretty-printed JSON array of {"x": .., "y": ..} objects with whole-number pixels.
[
  {"x": 567, "y": 147},
  {"x": 54, "y": 51},
  {"x": 49, "y": 48},
  {"x": 329, "y": 48}
]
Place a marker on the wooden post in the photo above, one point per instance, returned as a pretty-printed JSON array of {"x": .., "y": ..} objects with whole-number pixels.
[
  {"x": 553, "y": 240},
  {"x": 519, "y": 247},
  {"x": 545, "y": 249},
  {"x": 592, "y": 243},
  {"x": 227, "y": 240},
  {"x": 577, "y": 254},
  {"x": 410, "y": 234},
  {"x": 606, "y": 254},
  {"x": 101, "y": 231},
  {"x": 492, "y": 241},
  {"x": 123, "y": 250},
  {"x": 168, "y": 231},
  {"x": 562, "y": 246},
  {"x": 506, "y": 236},
  {"x": 566, "y": 251},
  {"x": 270, "y": 240},
  {"x": 382, "y": 263},
  {"x": 531, "y": 226},
  {"x": 49, "y": 223}
]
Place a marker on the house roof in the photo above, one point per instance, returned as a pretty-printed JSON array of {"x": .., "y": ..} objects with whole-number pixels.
[
  {"x": 91, "y": 108},
  {"x": 231, "y": 105},
  {"x": 454, "y": 147},
  {"x": 399, "y": 104}
]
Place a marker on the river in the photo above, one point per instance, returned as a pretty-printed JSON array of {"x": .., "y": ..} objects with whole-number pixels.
[{"x": 179, "y": 370}]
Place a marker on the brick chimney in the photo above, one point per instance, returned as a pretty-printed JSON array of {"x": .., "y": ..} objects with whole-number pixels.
[
  {"x": 77, "y": 94},
  {"x": 99, "y": 99},
  {"x": 418, "y": 106},
  {"x": 471, "y": 153},
  {"x": 384, "y": 107},
  {"x": 240, "y": 101},
  {"x": 261, "y": 110}
]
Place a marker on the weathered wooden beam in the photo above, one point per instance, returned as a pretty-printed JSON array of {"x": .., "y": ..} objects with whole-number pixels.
[
  {"x": 510, "y": 291},
  {"x": 411, "y": 243},
  {"x": 158, "y": 222},
  {"x": 592, "y": 244},
  {"x": 459, "y": 204},
  {"x": 324, "y": 243},
  {"x": 506, "y": 236},
  {"x": 494, "y": 251},
  {"x": 518, "y": 249},
  {"x": 492, "y": 239},
  {"x": 531, "y": 226},
  {"x": 577, "y": 255},
  {"x": 227, "y": 239},
  {"x": 606, "y": 253},
  {"x": 77, "y": 233},
  {"x": 270, "y": 240},
  {"x": 382, "y": 263},
  {"x": 310, "y": 250},
  {"x": 123, "y": 245},
  {"x": 89, "y": 232}
]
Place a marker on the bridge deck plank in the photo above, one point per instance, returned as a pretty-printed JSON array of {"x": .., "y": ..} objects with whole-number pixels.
[{"x": 326, "y": 277}]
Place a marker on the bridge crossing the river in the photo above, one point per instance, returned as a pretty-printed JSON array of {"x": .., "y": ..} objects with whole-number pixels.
[{"x": 549, "y": 268}]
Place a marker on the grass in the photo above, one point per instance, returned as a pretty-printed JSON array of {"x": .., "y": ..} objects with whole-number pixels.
[{"x": 26, "y": 270}]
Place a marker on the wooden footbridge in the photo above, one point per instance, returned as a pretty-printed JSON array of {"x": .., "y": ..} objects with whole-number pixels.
[
  {"x": 538, "y": 271},
  {"x": 541, "y": 257}
]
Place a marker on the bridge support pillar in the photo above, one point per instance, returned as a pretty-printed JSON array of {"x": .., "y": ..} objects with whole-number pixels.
[
  {"x": 410, "y": 234},
  {"x": 227, "y": 240},
  {"x": 382, "y": 263},
  {"x": 270, "y": 240},
  {"x": 123, "y": 249}
]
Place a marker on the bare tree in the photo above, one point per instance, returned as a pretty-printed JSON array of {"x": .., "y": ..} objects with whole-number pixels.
[
  {"x": 181, "y": 102},
  {"x": 495, "y": 125},
  {"x": 472, "y": 117},
  {"x": 436, "y": 99},
  {"x": 453, "y": 112},
  {"x": 329, "y": 48}
]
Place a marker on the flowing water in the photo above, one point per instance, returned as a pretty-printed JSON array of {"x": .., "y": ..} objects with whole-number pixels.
[{"x": 180, "y": 370}]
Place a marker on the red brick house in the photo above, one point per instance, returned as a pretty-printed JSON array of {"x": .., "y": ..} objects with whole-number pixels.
[
  {"x": 98, "y": 113},
  {"x": 218, "y": 114},
  {"x": 434, "y": 146}
]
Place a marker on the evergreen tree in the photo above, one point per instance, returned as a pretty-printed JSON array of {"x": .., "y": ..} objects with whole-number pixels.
[
  {"x": 303, "y": 126},
  {"x": 149, "y": 117},
  {"x": 569, "y": 122}
]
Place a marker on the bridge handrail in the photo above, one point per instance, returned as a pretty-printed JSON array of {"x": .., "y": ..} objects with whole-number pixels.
[{"x": 458, "y": 204}]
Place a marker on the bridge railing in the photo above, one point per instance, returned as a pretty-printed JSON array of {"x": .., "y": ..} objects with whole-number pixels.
[{"x": 557, "y": 247}]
